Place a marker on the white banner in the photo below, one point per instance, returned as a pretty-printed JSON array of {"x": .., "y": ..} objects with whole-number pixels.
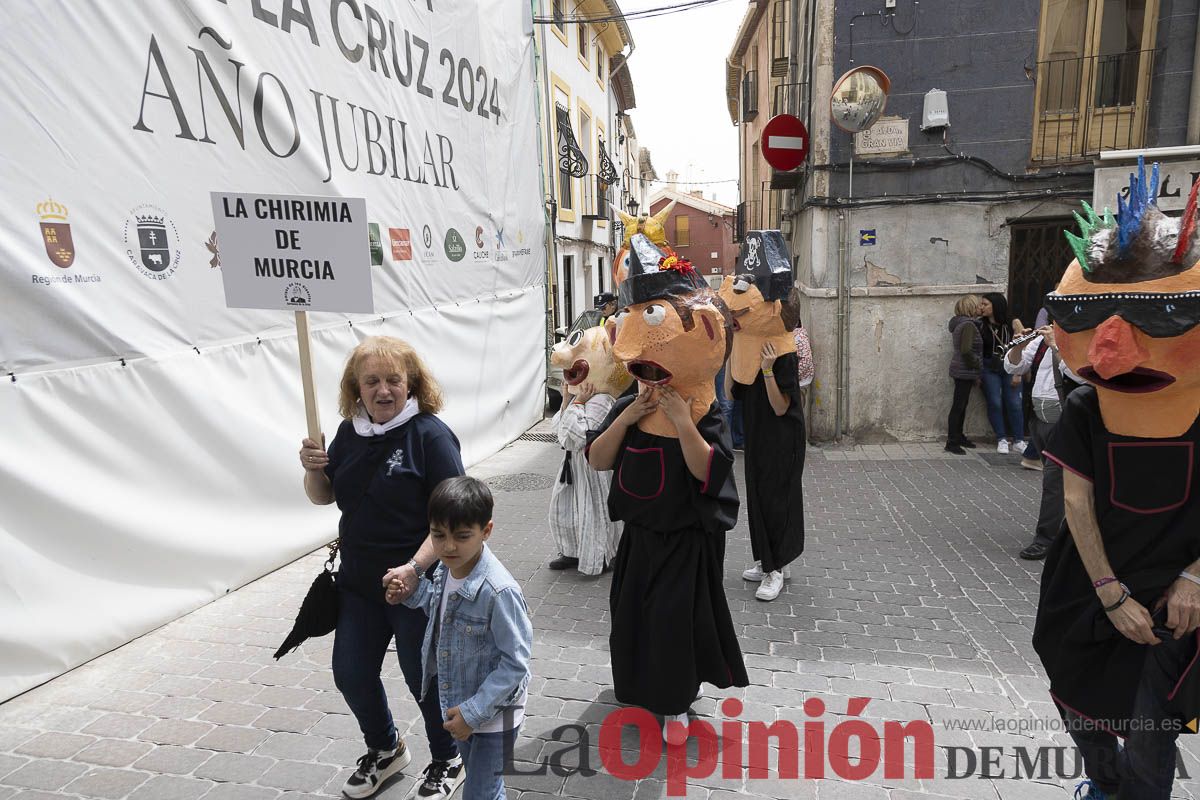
[{"x": 150, "y": 433}]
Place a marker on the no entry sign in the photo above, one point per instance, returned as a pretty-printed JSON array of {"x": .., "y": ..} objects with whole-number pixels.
[{"x": 785, "y": 142}]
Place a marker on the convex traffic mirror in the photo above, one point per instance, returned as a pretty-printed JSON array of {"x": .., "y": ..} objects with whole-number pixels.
[{"x": 859, "y": 98}]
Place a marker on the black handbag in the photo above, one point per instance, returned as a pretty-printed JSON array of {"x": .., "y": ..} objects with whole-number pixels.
[{"x": 319, "y": 611}]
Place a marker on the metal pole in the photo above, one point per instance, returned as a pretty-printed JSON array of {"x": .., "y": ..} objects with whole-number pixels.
[
  {"x": 845, "y": 376},
  {"x": 841, "y": 342},
  {"x": 850, "y": 190}
]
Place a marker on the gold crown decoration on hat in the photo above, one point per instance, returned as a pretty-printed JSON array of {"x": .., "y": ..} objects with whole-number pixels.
[
  {"x": 51, "y": 211},
  {"x": 652, "y": 225}
]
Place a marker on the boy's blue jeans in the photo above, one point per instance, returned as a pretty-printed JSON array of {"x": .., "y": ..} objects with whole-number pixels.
[
  {"x": 1003, "y": 404},
  {"x": 483, "y": 756},
  {"x": 364, "y": 630}
]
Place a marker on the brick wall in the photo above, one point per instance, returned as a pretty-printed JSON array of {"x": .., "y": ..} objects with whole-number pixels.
[{"x": 706, "y": 238}]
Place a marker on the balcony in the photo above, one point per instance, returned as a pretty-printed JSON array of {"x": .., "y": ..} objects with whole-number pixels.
[
  {"x": 750, "y": 95},
  {"x": 788, "y": 98},
  {"x": 596, "y": 200},
  {"x": 1089, "y": 104},
  {"x": 753, "y": 217}
]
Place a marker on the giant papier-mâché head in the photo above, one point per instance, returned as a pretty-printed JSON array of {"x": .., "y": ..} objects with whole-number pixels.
[
  {"x": 1126, "y": 310},
  {"x": 670, "y": 329},
  {"x": 652, "y": 226},
  {"x": 763, "y": 301},
  {"x": 587, "y": 357}
]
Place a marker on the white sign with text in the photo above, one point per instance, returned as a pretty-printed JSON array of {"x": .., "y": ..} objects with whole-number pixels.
[
  {"x": 888, "y": 135},
  {"x": 1175, "y": 180},
  {"x": 294, "y": 252}
]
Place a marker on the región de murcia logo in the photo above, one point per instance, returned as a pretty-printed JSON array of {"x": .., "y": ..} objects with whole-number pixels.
[
  {"x": 56, "y": 233},
  {"x": 150, "y": 238}
]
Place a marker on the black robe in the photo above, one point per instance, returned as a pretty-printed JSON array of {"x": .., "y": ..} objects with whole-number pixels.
[
  {"x": 775, "y": 448},
  {"x": 1147, "y": 499},
  {"x": 671, "y": 626}
]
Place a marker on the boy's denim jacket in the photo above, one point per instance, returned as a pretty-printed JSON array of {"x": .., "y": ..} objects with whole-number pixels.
[{"x": 482, "y": 660}]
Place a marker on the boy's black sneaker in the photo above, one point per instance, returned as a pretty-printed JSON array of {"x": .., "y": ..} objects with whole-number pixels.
[
  {"x": 442, "y": 778},
  {"x": 374, "y": 768},
  {"x": 956, "y": 449}
]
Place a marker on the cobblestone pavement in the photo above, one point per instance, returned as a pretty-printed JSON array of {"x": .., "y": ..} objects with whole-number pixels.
[{"x": 908, "y": 594}]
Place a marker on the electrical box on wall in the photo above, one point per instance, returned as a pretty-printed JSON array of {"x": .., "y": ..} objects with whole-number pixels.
[
  {"x": 936, "y": 113},
  {"x": 889, "y": 5}
]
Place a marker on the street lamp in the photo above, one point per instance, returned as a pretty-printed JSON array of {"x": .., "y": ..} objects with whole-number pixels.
[{"x": 632, "y": 205}]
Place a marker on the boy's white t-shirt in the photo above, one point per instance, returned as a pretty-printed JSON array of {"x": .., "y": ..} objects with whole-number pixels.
[{"x": 496, "y": 724}]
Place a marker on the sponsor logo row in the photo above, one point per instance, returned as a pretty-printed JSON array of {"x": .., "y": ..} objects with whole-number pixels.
[
  {"x": 489, "y": 245},
  {"x": 152, "y": 243}
]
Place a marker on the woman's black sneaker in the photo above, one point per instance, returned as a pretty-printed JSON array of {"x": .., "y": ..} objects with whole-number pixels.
[
  {"x": 374, "y": 768},
  {"x": 967, "y": 443},
  {"x": 956, "y": 449}
]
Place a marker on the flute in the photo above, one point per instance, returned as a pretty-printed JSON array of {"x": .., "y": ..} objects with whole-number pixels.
[{"x": 1024, "y": 337}]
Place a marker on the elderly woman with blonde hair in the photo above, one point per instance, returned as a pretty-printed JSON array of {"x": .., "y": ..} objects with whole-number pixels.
[
  {"x": 386, "y": 458},
  {"x": 965, "y": 363}
]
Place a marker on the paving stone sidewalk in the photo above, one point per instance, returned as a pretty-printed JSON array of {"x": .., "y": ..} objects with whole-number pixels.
[{"x": 909, "y": 593}]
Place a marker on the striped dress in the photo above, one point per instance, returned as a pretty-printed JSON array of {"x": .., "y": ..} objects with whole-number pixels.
[{"x": 578, "y": 503}]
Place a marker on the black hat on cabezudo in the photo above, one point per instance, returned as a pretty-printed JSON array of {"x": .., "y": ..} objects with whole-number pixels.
[
  {"x": 650, "y": 278},
  {"x": 764, "y": 260}
]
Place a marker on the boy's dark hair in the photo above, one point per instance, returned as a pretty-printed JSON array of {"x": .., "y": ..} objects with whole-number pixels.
[{"x": 460, "y": 502}]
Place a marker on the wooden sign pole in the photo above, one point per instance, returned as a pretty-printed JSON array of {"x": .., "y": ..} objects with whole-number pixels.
[{"x": 306, "y": 376}]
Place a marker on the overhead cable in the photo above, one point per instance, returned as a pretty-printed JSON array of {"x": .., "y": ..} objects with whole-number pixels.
[{"x": 646, "y": 13}]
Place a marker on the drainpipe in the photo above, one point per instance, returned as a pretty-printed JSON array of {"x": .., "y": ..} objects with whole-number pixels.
[
  {"x": 550, "y": 183},
  {"x": 743, "y": 153},
  {"x": 613, "y": 121},
  {"x": 612, "y": 225},
  {"x": 789, "y": 198},
  {"x": 1193, "y": 125}
]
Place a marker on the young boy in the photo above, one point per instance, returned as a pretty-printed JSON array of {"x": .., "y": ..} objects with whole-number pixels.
[{"x": 479, "y": 636}]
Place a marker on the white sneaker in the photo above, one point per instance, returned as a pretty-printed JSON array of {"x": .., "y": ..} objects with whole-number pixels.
[
  {"x": 374, "y": 768},
  {"x": 441, "y": 780},
  {"x": 771, "y": 586},
  {"x": 755, "y": 572},
  {"x": 675, "y": 733},
  {"x": 1019, "y": 446},
  {"x": 1002, "y": 446}
]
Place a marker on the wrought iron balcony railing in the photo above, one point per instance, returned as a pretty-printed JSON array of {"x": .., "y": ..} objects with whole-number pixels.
[
  {"x": 1090, "y": 104},
  {"x": 596, "y": 200},
  {"x": 788, "y": 98}
]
